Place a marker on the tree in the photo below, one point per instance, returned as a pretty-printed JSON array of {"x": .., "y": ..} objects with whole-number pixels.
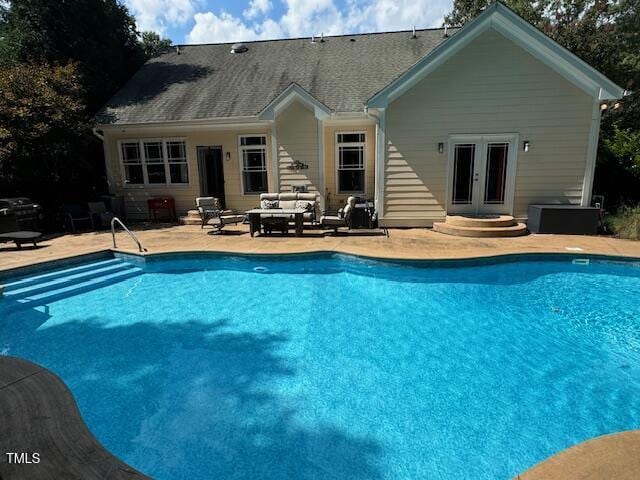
[
  {"x": 153, "y": 45},
  {"x": 43, "y": 133},
  {"x": 466, "y": 10},
  {"x": 99, "y": 36}
]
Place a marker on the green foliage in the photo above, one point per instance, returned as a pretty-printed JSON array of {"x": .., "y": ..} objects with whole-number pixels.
[
  {"x": 625, "y": 145},
  {"x": 60, "y": 61},
  {"x": 99, "y": 35},
  {"x": 153, "y": 45},
  {"x": 44, "y": 132},
  {"x": 626, "y": 222}
]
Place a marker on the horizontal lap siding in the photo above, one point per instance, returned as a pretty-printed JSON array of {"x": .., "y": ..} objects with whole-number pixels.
[
  {"x": 297, "y": 132},
  {"x": 135, "y": 197},
  {"x": 491, "y": 86},
  {"x": 336, "y": 200}
]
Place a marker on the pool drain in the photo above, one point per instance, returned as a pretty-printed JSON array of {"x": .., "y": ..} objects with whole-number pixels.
[{"x": 260, "y": 269}]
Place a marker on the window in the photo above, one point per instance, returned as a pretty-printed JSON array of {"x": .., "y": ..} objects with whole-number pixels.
[
  {"x": 154, "y": 162},
  {"x": 350, "y": 153},
  {"x": 253, "y": 155},
  {"x": 132, "y": 162},
  {"x": 177, "y": 155}
]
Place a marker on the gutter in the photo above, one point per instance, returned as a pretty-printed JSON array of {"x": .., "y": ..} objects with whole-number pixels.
[{"x": 97, "y": 133}]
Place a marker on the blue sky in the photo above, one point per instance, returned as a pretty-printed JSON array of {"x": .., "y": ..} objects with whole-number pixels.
[{"x": 204, "y": 21}]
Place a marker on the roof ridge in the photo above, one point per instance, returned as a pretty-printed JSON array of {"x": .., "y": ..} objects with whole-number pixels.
[{"x": 317, "y": 36}]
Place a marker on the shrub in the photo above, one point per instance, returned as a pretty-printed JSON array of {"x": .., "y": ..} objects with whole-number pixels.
[{"x": 626, "y": 222}]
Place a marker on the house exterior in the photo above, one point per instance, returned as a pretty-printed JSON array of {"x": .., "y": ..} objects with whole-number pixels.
[{"x": 485, "y": 119}]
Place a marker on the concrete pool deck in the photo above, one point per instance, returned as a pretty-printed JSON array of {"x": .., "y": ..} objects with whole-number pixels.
[
  {"x": 31, "y": 390},
  {"x": 400, "y": 243}
]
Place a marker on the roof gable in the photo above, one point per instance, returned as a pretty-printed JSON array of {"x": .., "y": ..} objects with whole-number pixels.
[
  {"x": 290, "y": 94},
  {"x": 506, "y": 22}
]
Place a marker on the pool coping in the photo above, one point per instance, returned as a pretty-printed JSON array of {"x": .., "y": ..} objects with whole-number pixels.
[
  {"x": 41, "y": 389},
  {"x": 40, "y": 416},
  {"x": 490, "y": 259}
]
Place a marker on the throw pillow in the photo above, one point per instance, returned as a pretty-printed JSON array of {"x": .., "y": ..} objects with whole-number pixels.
[
  {"x": 304, "y": 205},
  {"x": 269, "y": 204}
]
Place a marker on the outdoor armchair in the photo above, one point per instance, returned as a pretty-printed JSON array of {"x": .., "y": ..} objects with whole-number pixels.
[
  {"x": 212, "y": 214},
  {"x": 343, "y": 217}
]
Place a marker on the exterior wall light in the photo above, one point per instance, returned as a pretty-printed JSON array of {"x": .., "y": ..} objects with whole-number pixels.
[
  {"x": 440, "y": 147},
  {"x": 525, "y": 145},
  {"x": 227, "y": 155}
]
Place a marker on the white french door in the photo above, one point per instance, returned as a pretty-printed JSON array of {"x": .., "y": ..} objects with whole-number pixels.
[{"x": 481, "y": 177}]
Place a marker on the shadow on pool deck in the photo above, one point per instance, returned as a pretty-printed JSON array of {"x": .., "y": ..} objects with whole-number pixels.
[{"x": 192, "y": 400}]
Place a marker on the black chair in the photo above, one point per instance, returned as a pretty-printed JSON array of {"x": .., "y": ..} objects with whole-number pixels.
[{"x": 74, "y": 213}]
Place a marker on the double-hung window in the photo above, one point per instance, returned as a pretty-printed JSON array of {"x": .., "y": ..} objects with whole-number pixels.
[
  {"x": 350, "y": 154},
  {"x": 253, "y": 158},
  {"x": 177, "y": 156},
  {"x": 154, "y": 162},
  {"x": 132, "y": 163}
]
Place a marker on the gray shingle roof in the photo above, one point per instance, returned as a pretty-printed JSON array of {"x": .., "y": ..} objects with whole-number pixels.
[{"x": 207, "y": 81}]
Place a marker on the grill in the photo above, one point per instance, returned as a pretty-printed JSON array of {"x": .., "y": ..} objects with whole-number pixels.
[{"x": 19, "y": 213}]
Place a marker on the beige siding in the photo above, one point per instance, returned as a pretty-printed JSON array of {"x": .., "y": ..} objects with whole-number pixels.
[
  {"x": 491, "y": 86},
  {"x": 297, "y": 134},
  {"x": 135, "y": 197},
  {"x": 333, "y": 199}
]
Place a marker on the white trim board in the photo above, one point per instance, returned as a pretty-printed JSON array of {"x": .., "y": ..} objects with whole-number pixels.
[
  {"x": 290, "y": 94},
  {"x": 506, "y": 22}
]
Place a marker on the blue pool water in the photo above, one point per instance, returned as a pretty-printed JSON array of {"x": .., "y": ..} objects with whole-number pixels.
[{"x": 334, "y": 368}]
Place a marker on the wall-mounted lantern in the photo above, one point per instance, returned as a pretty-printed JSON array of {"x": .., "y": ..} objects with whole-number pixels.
[
  {"x": 297, "y": 165},
  {"x": 227, "y": 155},
  {"x": 525, "y": 145},
  {"x": 440, "y": 147}
]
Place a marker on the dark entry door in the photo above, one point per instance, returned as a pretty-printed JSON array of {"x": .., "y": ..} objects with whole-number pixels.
[{"x": 211, "y": 173}]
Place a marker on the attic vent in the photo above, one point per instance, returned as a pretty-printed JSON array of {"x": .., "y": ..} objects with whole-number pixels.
[{"x": 239, "y": 48}]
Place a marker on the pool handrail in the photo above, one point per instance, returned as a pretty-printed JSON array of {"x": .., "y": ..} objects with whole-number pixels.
[{"x": 115, "y": 220}]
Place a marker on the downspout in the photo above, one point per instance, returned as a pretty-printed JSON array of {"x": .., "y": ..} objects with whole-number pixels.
[{"x": 105, "y": 153}]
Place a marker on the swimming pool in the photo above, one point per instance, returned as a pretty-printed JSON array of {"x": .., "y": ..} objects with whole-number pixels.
[{"x": 328, "y": 366}]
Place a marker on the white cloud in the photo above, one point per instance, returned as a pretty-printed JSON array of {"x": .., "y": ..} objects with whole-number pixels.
[
  {"x": 158, "y": 15},
  {"x": 312, "y": 17},
  {"x": 257, "y": 8},
  {"x": 210, "y": 27}
]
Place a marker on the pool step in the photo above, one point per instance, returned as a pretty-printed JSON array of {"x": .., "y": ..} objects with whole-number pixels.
[
  {"x": 75, "y": 288},
  {"x": 481, "y": 226},
  {"x": 44, "y": 277},
  {"x": 46, "y": 284}
]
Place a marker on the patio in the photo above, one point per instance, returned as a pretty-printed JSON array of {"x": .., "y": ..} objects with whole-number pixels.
[{"x": 414, "y": 243}]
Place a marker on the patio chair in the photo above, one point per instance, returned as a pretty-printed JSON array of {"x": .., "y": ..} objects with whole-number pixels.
[
  {"x": 342, "y": 219},
  {"x": 212, "y": 214},
  {"x": 74, "y": 213},
  {"x": 99, "y": 213}
]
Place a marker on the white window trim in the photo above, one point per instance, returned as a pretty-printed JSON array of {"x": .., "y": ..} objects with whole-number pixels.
[
  {"x": 241, "y": 149},
  {"x": 337, "y": 159},
  {"x": 143, "y": 160}
]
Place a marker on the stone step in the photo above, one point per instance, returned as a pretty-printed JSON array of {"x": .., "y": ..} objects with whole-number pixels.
[
  {"x": 516, "y": 230},
  {"x": 186, "y": 220},
  {"x": 481, "y": 221}
]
